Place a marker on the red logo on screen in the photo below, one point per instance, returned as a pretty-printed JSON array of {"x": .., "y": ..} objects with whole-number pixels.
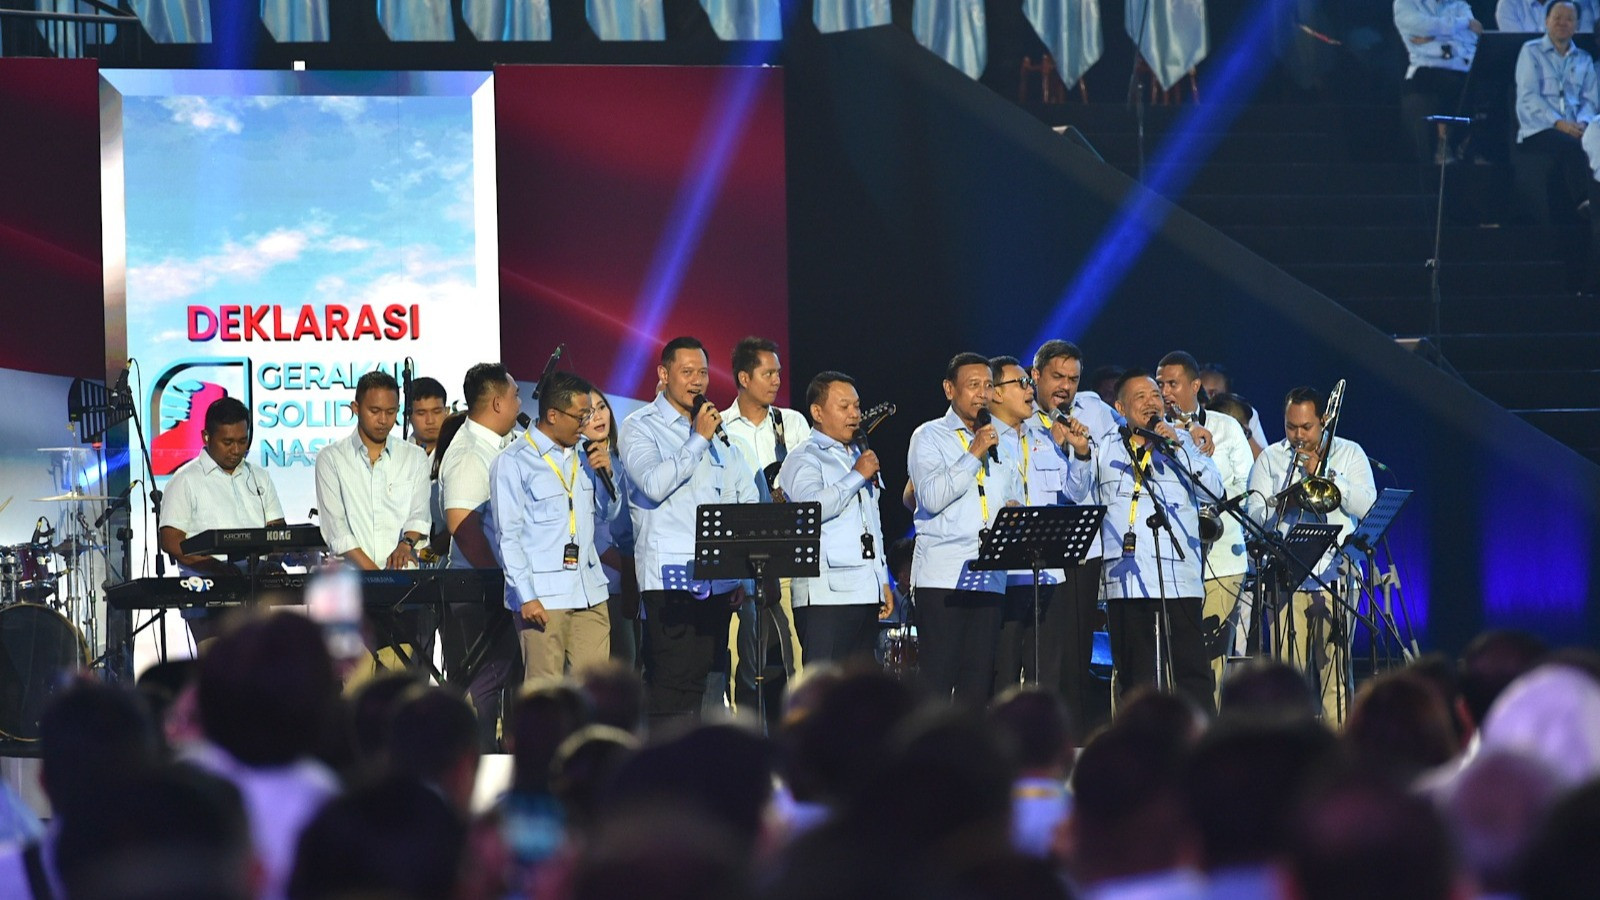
[{"x": 184, "y": 440}]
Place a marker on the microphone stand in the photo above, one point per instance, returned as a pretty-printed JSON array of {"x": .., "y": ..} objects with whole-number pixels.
[{"x": 1156, "y": 522}]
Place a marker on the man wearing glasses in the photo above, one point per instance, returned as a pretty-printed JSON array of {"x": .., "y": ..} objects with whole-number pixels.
[
  {"x": 1053, "y": 463},
  {"x": 544, "y": 515}
]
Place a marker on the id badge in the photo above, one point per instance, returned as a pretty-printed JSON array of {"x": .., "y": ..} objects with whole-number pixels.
[
  {"x": 569, "y": 557},
  {"x": 1130, "y": 543},
  {"x": 867, "y": 551}
]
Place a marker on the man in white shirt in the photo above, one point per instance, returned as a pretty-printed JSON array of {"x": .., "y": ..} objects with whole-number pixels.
[
  {"x": 1226, "y": 614},
  {"x": 1311, "y": 633},
  {"x": 765, "y": 434},
  {"x": 675, "y": 463},
  {"x": 493, "y": 404},
  {"x": 425, "y": 410},
  {"x": 837, "y": 612},
  {"x": 372, "y": 489},
  {"x": 220, "y": 488}
]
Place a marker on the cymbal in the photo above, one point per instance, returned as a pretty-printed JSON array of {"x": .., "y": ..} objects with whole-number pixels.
[
  {"x": 70, "y": 496},
  {"x": 66, "y": 548}
]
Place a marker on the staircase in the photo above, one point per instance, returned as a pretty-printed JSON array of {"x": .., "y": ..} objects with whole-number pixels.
[{"x": 1317, "y": 190}]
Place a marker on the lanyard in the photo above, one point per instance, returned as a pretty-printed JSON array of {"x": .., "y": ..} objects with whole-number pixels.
[
  {"x": 983, "y": 498},
  {"x": 780, "y": 449},
  {"x": 1022, "y": 470},
  {"x": 1140, "y": 458},
  {"x": 569, "y": 487}
]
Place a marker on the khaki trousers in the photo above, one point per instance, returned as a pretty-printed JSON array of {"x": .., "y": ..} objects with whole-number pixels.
[
  {"x": 1222, "y": 594},
  {"x": 573, "y": 639},
  {"x": 1320, "y": 642}
]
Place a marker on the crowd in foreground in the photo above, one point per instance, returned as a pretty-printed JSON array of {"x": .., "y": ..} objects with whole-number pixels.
[{"x": 249, "y": 774}]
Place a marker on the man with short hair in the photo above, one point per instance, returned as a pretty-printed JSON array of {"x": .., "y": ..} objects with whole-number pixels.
[
  {"x": 674, "y": 465},
  {"x": 837, "y": 612},
  {"x": 960, "y": 488},
  {"x": 1057, "y": 375},
  {"x": 1153, "y": 586},
  {"x": 220, "y": 488},
  {"x": 1052, "y": 461},
  {"x": 766, "y": 434},
  {"x": 1178, "y": 376},
  {"x": 372, "y": 487},
  {"x": 1214, "y": 378},
  {"x": 426, "y": 408},
  {"x": 542, "y": 497},
  {"x": 493, "y": 404},
  {"x": 1314, "y": 621}
]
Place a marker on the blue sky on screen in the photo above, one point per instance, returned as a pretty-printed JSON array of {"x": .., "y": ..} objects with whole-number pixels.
[{"x": 294, "y": 200}]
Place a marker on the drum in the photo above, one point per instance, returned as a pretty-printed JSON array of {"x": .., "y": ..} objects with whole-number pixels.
[
  {"x": 25, "y": 573},
  {"x": 40, "y": 650}
]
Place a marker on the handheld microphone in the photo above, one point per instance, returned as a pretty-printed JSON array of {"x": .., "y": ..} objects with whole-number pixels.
[
  {"x": 121, "y": 392},
  {"x": 699, "y": 400},
  {"x": 1166, "y": 445},
  {"x": 524, "y": 421},
  {"x": 1065, "y": 421},
  {"x": 549, "y": 369},
  {"x": 605, "y": 474},
  {"x": 984, "y": 417}
]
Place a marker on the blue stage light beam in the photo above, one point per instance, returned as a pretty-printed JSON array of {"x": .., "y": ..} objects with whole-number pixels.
[
  {"x": 720, "y": 134},
  {"x": 1191, "y": 142}
]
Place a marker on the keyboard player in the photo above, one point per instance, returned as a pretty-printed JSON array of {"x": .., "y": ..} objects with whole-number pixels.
[{"x": 220, "y": 488}]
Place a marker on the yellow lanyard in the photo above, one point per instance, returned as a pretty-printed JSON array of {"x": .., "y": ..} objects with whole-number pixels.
[
  {"x": 1138, "y": 483},
  {"x": 1022, "y": 470},
  {"x": 570, "y": 488},
  {"x": 983, "y": 498}
]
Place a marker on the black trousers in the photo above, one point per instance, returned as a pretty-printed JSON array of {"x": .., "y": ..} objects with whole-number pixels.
[
  {"x": 470, "y": 618},
  {"x": 1013, "y": 656},
  {"x": 957, "y": 634},
  {"x": 682, "y": 636},
  {"x": 1431, "y": 92},
  {"x": 1133, "y": 646},
  {"x": 1078, "y": 599},
  {"x": 837, "y": 633}
]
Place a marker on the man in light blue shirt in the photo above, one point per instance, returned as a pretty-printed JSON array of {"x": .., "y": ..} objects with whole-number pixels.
[
  {"x": 1045, "y": 456},
  {"x": 1527, "y": 16},
  {"x": 837, "y": 612},
  {"x": 542, "y": 528},
  {"x": 1057, "y": 372},
  {"x": 1558, "y": 97},
  {"x": 960, "y": 486},
  {"x": 676, "y": 461},
  {"x": 1139, "y": 479}
]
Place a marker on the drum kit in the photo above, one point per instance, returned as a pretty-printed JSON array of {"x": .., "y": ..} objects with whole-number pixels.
[{"x": 48, "y": 593}]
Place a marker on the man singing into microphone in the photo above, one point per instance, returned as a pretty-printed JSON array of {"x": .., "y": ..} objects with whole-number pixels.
[
  {"x": 1152, "y": 538},
  {"x": 1057, "y": 375},
  {"x": 676, "y": 459},
  {"x": 542, "y": 493},
  {"x": 1315, "y": 622},
  {"x": 962, "y": 482},
  {"x": 1052, "y": 460},
  {"x": 837, "y": 612}
]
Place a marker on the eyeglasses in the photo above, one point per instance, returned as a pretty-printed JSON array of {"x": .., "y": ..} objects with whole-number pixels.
[
  {"x": 583, "y": 416},
  {"x": 1025, "y": 381}
]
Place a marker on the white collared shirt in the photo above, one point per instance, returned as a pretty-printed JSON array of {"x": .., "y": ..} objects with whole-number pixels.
[
  {"x": 464, "y": 474},
  {"x": 1233, "y": 458},
  {"x": 1349, "y": 470},
  {"x": 368, "y": 506},
  {"x": 201, "y": 497},
  {"x": 759, "y": 443}
]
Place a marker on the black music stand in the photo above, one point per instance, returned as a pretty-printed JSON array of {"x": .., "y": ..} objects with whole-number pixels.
[
  {"x": 1038, "y": 538},
  {"x": 1364, "y": 540},
  {"x": 758, "y": 540}
]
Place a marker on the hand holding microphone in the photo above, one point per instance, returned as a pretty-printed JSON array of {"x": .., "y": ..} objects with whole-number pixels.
[
  {"x": 707, "y": 420},
  {"x": 984, "y": 438},
  {"x": 600, "y": 460}
]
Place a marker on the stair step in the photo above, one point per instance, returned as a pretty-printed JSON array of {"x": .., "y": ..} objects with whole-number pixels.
[
  {"x": 1475, "y": 279},
  {"x": 1311, "y": 210},
  {"x": 1269, "y": 177},
  {"x": 1535, "y": 389},
  {"x": 1118, "y": 117},
  {"x": 1541, "y": 313},
  {"x": 1550, "y": 351},
  {"x": 1577, "y": 428},
  {"x": 1286, "y": 245}
]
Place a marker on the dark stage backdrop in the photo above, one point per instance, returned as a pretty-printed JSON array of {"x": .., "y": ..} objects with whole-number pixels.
[
  {"x": 638, "y": 204},
  {"x": 50, "y": 285},
  {"x": 927, "y": 217}
]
